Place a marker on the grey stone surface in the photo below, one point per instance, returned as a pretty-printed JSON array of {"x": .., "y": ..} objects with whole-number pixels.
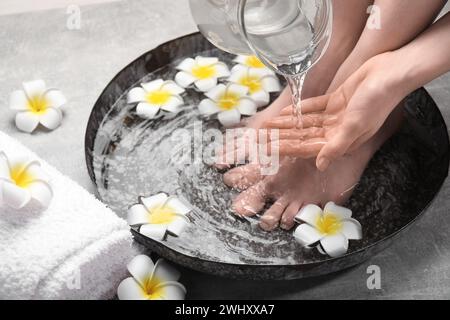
[{"x": 81, "y": 63}]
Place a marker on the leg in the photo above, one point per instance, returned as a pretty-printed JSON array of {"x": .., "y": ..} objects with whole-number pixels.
[{"x": 415, "y": 15}]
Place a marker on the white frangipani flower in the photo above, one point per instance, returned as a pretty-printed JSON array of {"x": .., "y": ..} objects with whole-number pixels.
[
  {"x": 203, "y": 72},
  {"x": 259, "y": 83},
  {"x": 252, "y": 62},
  {"x": 159, "y": 214},
  {"x": 22, "y": 181},
  {"x": 229, "y": 102},
  {"x": 154, "y": 96},
  {"x": 329, "y": 229},
  {"x": 37, "y": 105},
  {"x": 151, "y": 281}
]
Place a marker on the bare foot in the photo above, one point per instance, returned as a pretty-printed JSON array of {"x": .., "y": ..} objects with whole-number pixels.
[{"x": 298, "y": 182}]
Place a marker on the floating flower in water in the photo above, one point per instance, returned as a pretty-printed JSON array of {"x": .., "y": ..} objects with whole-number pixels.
[
  {"x": 37, "y": 105},
  {"x": 22, "y": 181},
  {"x": 151, "y": 281},
  {"x": 229, "y": 102},
  {"x": 252, "y": 62},
  {"x": 329, "y": 229},
  {"x": 159, "y": 214},
  {"x": 259, "y": 83},
  {"x": 202, "y": 72},
  {"x": 154, "y": 96}
]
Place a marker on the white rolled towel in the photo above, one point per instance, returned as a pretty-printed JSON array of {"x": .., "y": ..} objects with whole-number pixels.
[{"x": 77, "y": 248}]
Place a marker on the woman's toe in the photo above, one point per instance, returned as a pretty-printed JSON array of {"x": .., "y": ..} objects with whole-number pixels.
[
  {"x": 243, "y": 177},
  {"x": 250, "y": 201},
  {"x": 271, "y": 218},
  {"x": 287, "y": 220}
]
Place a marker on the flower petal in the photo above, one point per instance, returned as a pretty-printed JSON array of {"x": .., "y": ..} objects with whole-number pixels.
[
  {"x": 215, "y": 93},
  {"x": 18, "y": 100},
  {"x": 173, "y": 104},
  {"x": 173, "y": 88},
  {"x": 141, "y": 268},
  {"x": 247, "y": 107},
  {"x": 320, "y": 249},
  {"x": 242, "y": 59},
  {"x": 152, "y": 85},
  {"x": 154, "y": 231},
  {"x": 129, "y": 289},
  {"x": 177, "y": 226},
  {"x": 147, "y": 110},
  {"x": 335, "y": 245},
  {"x": 333, "y": 208},
  {"x": 27, "y": 121},
  {"x": 208, "y": 107},
  {"x": 41, "y": 192},
  {"x": 171, "y": 290},
  {"x": 154, "y": 201},
  {"x": 221, "y": 70},
  {"x": 205, "y": 85},
  {"x": 51, "y": 119},
  {"x": 307, "y": 235},
  {"x": 238, "y": 74},
  {"x": 137, "y": 215},
  {"x": 229, "y": 118},
  {"x": 184, "y": 79},
  {"x": 34, "y": 170},
  {"x": 352, "y": 229},
  {"x": 4, "y": 167},
  {"x": 270, "y": 83},
  {"x": 164, "y": 271},
  {"x": 55, "y": 98},
  {"x": 261, "y": 98},
  {"x": 309, "y": 214},
  {"x": 238, "y": 89},
  {"x": 178, "y": 206},
  {"x": 239, "y": 68},
  {"x": 14, "y": 196},
  {"x": 186, "y": 65},
  {"x": 136, "y": 95},
  {"x": 22, "y": 163},
  {"x": 34, "y": 88},
  {"x": 206, "y": 61}
]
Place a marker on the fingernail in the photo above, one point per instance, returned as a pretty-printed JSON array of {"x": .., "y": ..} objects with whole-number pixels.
[{"x": 322, "y": 164}]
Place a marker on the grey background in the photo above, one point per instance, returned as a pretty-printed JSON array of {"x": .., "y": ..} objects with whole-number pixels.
[{"x": 81, "y": 62}]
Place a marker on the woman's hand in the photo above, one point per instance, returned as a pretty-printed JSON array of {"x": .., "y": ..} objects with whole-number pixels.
[{"x": 342, "y": 121}]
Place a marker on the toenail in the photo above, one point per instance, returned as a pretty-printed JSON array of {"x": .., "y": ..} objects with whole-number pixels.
[{"x": 266, "y": 227}]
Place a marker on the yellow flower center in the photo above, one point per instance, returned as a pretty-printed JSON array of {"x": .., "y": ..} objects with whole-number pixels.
[
  {"x": 228, "y": 101},
  {"x": 152, "y": 289},
  {"x": 22, "y": 178},
  {"x": 158, "y": 97},
  {"x": 329, "y": 224},
  {"x": 252, "y": 83},
  {"x": 162, "y": 215},
  {"x": 204, "y": 72},
  {"x": 254, "y": 62},
  {"x": 38, "y": 104}
]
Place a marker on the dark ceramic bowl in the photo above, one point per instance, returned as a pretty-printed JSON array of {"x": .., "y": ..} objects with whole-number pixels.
[{"x": 128, "y": 157}]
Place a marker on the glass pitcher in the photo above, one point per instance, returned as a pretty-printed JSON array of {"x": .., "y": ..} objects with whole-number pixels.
[
  {"x": 288, "y": 36},
  {"x": 220, "y": 21}
]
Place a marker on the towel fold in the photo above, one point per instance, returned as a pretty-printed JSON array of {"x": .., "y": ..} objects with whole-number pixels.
[{"x": 77, "y": 248}]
